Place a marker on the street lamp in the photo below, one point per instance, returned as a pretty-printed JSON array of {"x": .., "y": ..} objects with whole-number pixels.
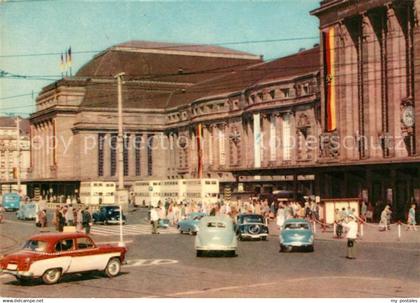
[{"x": 121, "y": 192}]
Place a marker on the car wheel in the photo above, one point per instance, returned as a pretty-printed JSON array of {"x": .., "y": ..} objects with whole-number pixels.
[
  {"x": 193, "y": 233},
  {"x": 113, "y": 267},
  {"x": 264, "y": 238},
  {"x": 288, "y": 248},
  {"x": 311, "y": 248},
  {"x": 23, "y": 280},
  {"x": 232, "y": 253},
  {"x": 199, "y": 253},
  {"x": 51, "y": 276},
  {"x": 281, "y": 249},
  {"x": 181, "y": 231},
  {"x": 105, "y": 222}
]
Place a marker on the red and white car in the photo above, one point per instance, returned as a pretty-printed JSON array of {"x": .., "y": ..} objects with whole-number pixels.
[{"x": 50, "y": 255}]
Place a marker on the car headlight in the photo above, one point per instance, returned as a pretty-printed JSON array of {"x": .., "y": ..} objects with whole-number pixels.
[
  {"x": 281, "y": 238},
  {"x": 311, "y": 238}
]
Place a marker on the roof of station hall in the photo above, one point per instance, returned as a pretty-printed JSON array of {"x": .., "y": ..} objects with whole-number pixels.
[
  {"x": 168, "y": 62},
  {"x": 154, "y": 70}
]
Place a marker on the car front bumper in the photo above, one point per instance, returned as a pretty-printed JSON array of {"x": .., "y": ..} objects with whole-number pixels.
[
  {"x": 216, "y": 248},
  {"x": 246, "y": 235},
  {"x": 297, "y": 243}
]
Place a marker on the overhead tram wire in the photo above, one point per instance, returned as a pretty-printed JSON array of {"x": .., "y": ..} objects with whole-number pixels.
[
  {"x": 168, "y": 47},
  {"x": 247, "y": 69}
]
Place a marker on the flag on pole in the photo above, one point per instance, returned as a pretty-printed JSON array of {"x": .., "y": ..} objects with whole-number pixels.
[
  {"x": 70, "y": 61},
  {"x": 66, "y": 65},
  {"x": 62, "y": 66},
  {"x": 69, "y": 54}
]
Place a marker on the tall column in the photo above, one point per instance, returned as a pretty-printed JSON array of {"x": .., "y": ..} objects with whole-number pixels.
[
  {"x": 107, "y": 155},
  {"x": 396, "y": 78},
  {"x": 372, "y": 87}
]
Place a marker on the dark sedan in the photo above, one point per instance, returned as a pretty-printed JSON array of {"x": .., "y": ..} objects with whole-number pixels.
[
  {"x": 251, "y": 226},
  {"x": 108, "y": 215}
]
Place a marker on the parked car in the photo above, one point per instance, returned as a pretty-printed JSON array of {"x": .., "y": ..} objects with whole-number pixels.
[
  {"x": 250, "y": 226},
  {"x": 11, "y": 201},
  {"x": 27, "y": 211},
  {"x": 51, "y": 255},
  {"x": 190, "y": 223},
  {"x": 216, "y": 233},
  {"x": 296, "y": 233},
  {"x": 109, "y": 214}
]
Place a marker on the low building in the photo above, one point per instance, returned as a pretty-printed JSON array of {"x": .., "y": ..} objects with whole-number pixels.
[{"x": 10, "y": 159}]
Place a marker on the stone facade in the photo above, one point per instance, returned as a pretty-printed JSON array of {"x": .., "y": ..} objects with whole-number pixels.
[{"x": 9, "y": 158}]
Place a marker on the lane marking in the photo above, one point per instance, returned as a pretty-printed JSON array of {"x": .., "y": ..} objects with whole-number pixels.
[{"x": 149, "y": 262}]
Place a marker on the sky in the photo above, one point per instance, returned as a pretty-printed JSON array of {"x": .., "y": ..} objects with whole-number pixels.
[{"x": 34, "y": 32}]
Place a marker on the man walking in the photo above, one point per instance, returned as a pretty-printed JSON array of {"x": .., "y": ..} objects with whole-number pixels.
[
  {"x": 87, "y": 220},
  {"x": 351, "y": 226},
  {"x": 154, "y": 220}
]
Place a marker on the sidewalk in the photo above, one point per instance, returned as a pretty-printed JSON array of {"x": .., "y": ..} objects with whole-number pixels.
[{"x": 371, "y": 233}]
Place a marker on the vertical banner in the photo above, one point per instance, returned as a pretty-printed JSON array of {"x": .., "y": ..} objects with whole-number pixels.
[
  {"x": 199, "y": 151},
  {"x": 210, "y": 144},
  {"x": 273, "y": 149},
  {"x": 257, "y": 140},
  {"x": 329, "y": 67},
  {"x": 222, "y": 155}
]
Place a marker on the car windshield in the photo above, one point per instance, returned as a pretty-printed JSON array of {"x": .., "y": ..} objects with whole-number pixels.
[
  {"x": 216, "y": 224},
  {"x": 296, "y": 226},
  {"x": 198, "y": 218},
  {"x": 35, "y": 245},
  {"x": 253, "y": 219}
]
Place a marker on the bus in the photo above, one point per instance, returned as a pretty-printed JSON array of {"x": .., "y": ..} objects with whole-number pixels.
[
  {"x": 97, "y": 192},
  {"x": 174, "y": 190},
  {"x": 202, "y": 190}
]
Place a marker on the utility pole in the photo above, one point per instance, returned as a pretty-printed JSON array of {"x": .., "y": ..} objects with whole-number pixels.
[
  {"x": 120, "y": 141},
  {"x": 122, "y": 194},
  {"x": 18, "y": 154}
]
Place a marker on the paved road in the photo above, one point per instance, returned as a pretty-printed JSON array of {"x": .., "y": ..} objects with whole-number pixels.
[{"x": 165, "y": 266}]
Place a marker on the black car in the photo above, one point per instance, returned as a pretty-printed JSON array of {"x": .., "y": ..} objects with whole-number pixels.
[
  {"x": 251, "y": 226},
  {"x": 108, "y": 215}
]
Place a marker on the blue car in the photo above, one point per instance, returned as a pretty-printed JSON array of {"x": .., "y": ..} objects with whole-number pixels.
[
  {"x": 190, "y": 224},
  {"x": 296, "y": 233},
  {"x": 27, "y": 211},
  {"x": 11, "y": 201}
]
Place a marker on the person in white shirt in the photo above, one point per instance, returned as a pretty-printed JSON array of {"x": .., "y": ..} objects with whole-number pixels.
[
  {"x": 154, "y": 220},
  {"x": 351, "y": 225}
]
